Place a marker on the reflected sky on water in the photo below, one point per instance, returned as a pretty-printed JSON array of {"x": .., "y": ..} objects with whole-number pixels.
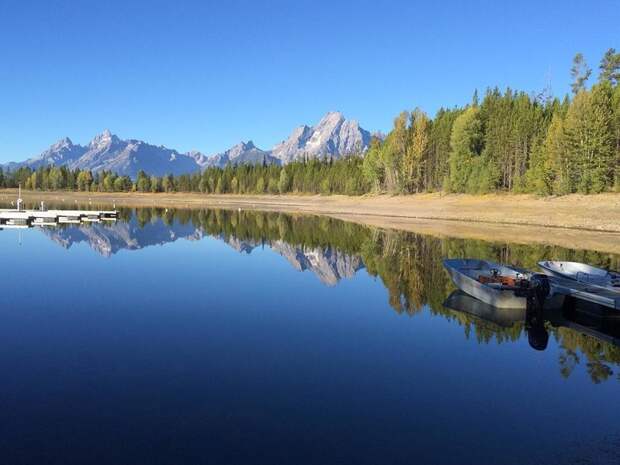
[{"x": 198, "y": 336}]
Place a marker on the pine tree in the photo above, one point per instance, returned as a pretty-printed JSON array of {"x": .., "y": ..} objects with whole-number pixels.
[
  {"x": 155, "y": 184},
  {"x": 464, "y": 141},
  {"x": 551, "y": 169},
  {"x": 284, "y": 182},
  {"x": 528, "y": 125},
  {"x": 610, "y": 67},
  {"x": 616, "y": 131},
  {"x": 603, "y": 137},
  {"x": 497, "y": 119},
  {"x": 119, "y": 185},
  {"x": 108, "y": 183},
  {"x": 539, "y": 176},
  {"x": 260, "y": 185},
  {"x": 143, "y": 183},
  {"x": 413, "y": 161},
  {"x": 393, "y": 151},
  {"x": 372, "y": 167},
  {"x": 84, "y": 180},
  {"x": 589, "y": 138},
  {"x": 439, "y": 148},
  {"x": 168, "y": 183},
  {"x": 580, "y": 73},
  {"x": 55, "y": 179}
]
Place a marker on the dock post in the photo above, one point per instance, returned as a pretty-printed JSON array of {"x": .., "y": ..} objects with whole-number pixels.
[{"x": 19, "y": 198}]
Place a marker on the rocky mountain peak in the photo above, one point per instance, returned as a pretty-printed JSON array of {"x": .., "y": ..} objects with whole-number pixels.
[
  {"x": 241, "y": 147},
  {"x": 301, "y": 134},
  {"x": 104, "y": 139},
  {"x": 331, "y": 119},
  {"x": 244, "y": 153},
  {"x": 199, "y": 157},
  {"x": 64, "y": 143},
  {"x": 333, "y": 136}
]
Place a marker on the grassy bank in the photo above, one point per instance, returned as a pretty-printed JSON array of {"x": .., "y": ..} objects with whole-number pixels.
[{"x": 580, "y": 221}]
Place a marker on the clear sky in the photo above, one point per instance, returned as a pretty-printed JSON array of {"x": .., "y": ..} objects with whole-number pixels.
[{"x": 206, "y": 74}]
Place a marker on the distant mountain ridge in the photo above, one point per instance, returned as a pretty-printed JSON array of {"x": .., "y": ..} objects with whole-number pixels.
[
  {"x": 240, "y": 154},
  {"x": 333, "y": 137},
  {"x": 110, "y": 153}
]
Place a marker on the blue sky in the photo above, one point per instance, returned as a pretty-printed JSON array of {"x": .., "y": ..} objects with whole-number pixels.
[{"x": 204, "y": 75}]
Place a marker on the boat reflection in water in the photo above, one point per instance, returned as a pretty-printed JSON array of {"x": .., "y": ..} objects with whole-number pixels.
[
  {"x": 251, "y": 337},
  {"x": 407, "y": 265},
  {"x": 588, "y": 320}
]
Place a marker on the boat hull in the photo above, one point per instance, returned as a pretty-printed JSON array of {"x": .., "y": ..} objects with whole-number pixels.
[
  {"x": 572, "y": 270},
  {"x": 464, "y": 272},
  {"x": 582, "y": 273},
  {"x": 499, "y": 298}
]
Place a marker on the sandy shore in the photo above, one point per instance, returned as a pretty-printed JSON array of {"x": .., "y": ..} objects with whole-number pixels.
[{"x": 575, "y": 221}]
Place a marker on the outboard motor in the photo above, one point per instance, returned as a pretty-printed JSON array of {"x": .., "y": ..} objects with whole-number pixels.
[
  {"x": 535, "y": 290},
  {"x": 539, "y": 290}
]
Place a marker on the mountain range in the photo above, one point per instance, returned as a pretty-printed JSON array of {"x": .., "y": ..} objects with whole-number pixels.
[{"x": 334, "y": 136}]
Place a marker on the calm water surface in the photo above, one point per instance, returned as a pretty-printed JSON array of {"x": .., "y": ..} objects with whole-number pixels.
[{"x": 233, "y": 337}]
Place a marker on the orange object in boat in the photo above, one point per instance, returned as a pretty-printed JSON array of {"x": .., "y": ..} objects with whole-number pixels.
[{"x": 499, "y": 279}]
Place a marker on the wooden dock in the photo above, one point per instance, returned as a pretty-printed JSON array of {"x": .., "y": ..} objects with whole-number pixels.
[{"x": 14, "y": 218}]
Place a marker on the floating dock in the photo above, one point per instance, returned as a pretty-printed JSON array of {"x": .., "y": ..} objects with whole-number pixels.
[
  {"x": 21, "y": 218},
  {"x": 13, "y": 218},
  {"x": 588, "y": 292}
]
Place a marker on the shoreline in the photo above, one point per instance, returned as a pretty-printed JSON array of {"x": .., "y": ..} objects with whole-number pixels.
[{"x": 574, "y": 221}]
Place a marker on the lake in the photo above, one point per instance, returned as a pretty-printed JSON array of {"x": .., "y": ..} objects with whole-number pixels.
[{"x": 235, "y": 337}]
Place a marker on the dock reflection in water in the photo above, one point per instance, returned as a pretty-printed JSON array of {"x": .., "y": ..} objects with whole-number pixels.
[
  {"x": 379, "y": 319},
  {"x": 408, "y": 264}
]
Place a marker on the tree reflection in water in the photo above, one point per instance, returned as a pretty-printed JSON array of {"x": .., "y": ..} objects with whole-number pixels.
[{"x": 408, "y": 264}]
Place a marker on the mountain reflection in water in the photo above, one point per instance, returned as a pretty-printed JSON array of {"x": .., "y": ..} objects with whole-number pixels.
[{"x": 409, "y": 266}]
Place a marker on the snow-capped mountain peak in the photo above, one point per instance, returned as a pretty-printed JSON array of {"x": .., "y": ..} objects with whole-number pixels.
[
  {"x": 333, "y": 136},
  {"x": 106, "y": 138}
]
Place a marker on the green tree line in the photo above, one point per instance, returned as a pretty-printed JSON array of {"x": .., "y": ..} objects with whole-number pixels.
[
  {"x": 316, "y": 176},
  {"x": 507, "y": 141}
]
